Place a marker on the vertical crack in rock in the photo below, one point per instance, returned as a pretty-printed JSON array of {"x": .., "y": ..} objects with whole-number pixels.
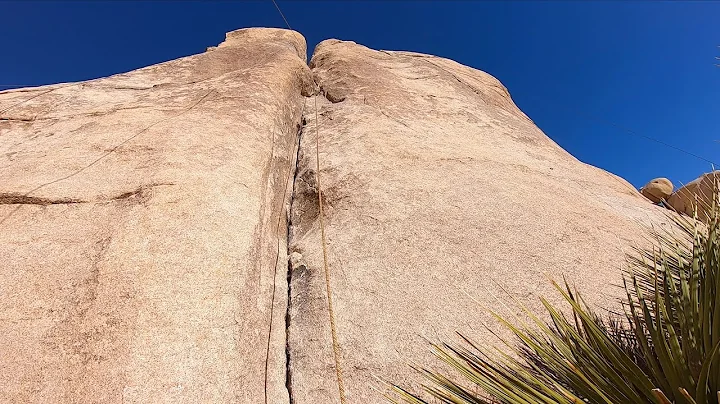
[
  {"x": 288, "y": 370},
  {"x": 288, "y": 367},
  {"x": 286, "y": 203},
  {"x": 281, "y": 371},
  {"x": 287, "y": 200}
]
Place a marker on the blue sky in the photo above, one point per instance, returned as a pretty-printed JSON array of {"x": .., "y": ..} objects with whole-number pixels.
[{"x": 585, "y": 72}]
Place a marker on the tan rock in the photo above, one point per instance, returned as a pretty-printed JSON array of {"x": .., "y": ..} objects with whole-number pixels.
[
  {"x": 697, "y": 192},
  {"x": 141, "y": 226},
  {"x": 437, "y": 190},
  {"x": 144, "y": 238},
  {"x": 658, "y": 189}
]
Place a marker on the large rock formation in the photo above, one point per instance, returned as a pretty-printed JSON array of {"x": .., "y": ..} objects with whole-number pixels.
[
  {"x": 144, "y": 234},
  {"x": 439, "y": 192}
]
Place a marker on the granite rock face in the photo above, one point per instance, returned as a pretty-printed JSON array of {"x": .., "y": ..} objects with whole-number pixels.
[
  {"x": 142, "y": 223},
  {"x": 438, "y": 193},
  {"x": 154, "y": 225}
]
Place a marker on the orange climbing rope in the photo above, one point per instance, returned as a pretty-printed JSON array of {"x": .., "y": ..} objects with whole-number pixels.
[{"x": 328, "y": 288}]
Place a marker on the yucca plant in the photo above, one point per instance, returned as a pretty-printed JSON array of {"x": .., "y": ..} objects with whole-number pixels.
[{"x": 663, "y": 347}]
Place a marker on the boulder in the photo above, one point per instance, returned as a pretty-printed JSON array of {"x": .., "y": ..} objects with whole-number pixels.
[
  {"x": 698, "y": 192},
  {"x": 658, "y": 189}
]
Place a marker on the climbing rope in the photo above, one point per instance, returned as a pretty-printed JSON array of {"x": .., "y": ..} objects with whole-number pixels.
[
  {"x": 282, "y": 15},
  {"x": 328, "y": 289}
]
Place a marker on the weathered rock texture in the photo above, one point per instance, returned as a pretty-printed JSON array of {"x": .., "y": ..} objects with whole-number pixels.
[
  {"x": 143, "y": 229},
  {"x": 438, "y": 191},
  {"x": 697, "y": 193},
  {"x": 142, "y": 219}
]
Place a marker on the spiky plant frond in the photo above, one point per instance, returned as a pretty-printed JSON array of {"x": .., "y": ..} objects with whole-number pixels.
[{"x": 664, "y": 350}]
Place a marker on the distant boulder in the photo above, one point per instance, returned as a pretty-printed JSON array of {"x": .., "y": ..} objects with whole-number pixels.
[
  {"x": 657, "y": 189},
  {"x": 683, "y": 200}
]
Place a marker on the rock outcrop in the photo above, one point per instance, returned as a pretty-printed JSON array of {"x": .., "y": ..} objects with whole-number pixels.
[
  {"x": 697, "y": 193},
  {"x": 145, "y": 237},
  {"x": 657, "y": 190},
  {"x": 438, "y": 192},
  {"x": 142, "y": 229}
]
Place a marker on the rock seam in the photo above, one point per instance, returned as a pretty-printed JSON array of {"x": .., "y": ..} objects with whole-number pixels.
[{"x": 288, "y": 368}]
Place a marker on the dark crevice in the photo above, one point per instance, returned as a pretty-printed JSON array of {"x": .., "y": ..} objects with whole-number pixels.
[
  {"x": 16, "y": 198},
  {"x": 141, "y": 192},
  {"x": 17, "y": 119},
  {"x": 332, "y": 97},
  {"x": 288, "y": 370},
  {"x": 329, "y": 94},
  {"x": 288, "y": 367},
  {"x": 130, "y": 194},
  {"x": 13, "y": 198}
]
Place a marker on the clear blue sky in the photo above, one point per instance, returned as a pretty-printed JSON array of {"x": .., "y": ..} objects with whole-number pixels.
[{"x": 571, "y": 66}]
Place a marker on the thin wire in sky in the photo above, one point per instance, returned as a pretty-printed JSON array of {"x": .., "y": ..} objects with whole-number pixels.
[
  {"x": 281, "y": 14},
  {"x": 642, "y": 136}
]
